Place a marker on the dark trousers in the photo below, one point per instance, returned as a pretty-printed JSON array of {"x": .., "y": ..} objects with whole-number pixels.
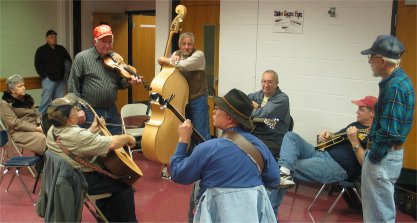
[{"x": 120, "y": 207}]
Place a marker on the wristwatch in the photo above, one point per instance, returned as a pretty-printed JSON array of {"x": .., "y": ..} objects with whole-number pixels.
[{"x": 355, "y": 148}]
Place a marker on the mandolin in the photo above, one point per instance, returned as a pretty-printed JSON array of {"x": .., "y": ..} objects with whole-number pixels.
[{"x": 338, "y": 138}]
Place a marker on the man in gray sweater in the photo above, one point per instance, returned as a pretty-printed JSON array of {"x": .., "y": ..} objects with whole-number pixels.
[{"x": 271, "y": 102}]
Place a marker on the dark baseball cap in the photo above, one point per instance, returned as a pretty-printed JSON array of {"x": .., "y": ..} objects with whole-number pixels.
[
  {"x": 51, "y": 32},
  {"x": 387, "y": 46}
]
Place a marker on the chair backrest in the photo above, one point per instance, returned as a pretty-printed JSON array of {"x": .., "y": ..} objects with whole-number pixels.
[
  {"x": 45, "y": 123},
  {"x": 291, "y": 126},
  {"x": 134, "y": 115},
  {"x": 4, "y": 138},
  {"x": 133, "y": 110}
]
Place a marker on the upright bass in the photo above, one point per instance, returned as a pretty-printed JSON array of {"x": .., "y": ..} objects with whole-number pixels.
[{"x": 160, "y": 135}]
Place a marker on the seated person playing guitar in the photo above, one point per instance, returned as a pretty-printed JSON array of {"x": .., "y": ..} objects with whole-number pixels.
[
  {"x": 328, "y": 163},
  {"x": 67, "y": 139},
  {"x": 272, "y": 103}
]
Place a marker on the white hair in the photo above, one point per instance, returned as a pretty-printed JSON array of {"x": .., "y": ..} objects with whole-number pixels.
[
  {"x": 184, "y": 35},
  {"x": 395, "y": 62},
  {"x": 13, "y": 80}
]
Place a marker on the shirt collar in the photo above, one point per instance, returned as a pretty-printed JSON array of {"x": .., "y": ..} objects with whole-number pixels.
[{"x": 394, "y": 74}]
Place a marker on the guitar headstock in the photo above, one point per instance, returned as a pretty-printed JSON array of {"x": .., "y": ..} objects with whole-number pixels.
[{"x": 270, "y": 122}]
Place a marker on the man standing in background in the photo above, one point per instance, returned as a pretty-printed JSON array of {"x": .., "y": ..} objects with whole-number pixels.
[
  {"x": 391, "y": 125},
  {"x": 52, "y": 62}
]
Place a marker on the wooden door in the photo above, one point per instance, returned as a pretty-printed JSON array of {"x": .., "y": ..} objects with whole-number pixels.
[
  {"x": 202, "y": 19},
  {"x": 119, "y": 25},
  {"x": 406, "y": 32},
  {"x": 143, "y": 53}
]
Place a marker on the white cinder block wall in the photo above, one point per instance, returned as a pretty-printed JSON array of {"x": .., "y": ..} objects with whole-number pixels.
[{"x": 321, "y": 69}]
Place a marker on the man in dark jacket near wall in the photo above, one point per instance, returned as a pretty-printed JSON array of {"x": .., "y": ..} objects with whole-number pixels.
[{"x": 52, "y": 61}]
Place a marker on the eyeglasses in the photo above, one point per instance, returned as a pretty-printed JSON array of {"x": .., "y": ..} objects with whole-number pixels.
[
  {"x": 267, "y": 82},
  {"x": 373, "y": 56}
]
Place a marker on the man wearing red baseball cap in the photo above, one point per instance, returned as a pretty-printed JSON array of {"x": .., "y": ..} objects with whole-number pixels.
[
  {"x": 95, "y": 83},
  {"x": 91, "y": 80},
  {"x": 328, "y": 162}
]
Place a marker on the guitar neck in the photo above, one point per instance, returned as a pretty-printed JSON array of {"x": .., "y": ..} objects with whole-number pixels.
[{"x": 196, "y": 134}]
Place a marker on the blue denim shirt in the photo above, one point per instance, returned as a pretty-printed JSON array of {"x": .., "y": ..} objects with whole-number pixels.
[
  {"x": 220, "y": 163},
  {"x": 235, "y": 205},
  {"x": 393, "y": 114}
]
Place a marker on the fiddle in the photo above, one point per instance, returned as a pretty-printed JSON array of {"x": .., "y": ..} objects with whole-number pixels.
[{"x": 114, "y": 61}]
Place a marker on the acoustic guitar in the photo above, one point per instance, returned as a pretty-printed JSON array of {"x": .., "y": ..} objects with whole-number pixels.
[
  {"x": 338, "y": 138},
  {"x": 118, "y": 162}
]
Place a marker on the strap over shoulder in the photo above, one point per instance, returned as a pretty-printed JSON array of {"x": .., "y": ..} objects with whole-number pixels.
[{"x": 247, "y": 147}]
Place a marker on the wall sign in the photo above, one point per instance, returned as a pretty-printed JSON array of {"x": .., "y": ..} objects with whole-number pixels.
[{"x": 288, "y": 21}]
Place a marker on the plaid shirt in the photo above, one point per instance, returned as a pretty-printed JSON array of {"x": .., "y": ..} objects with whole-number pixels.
[{"x": 393, "y": 114}]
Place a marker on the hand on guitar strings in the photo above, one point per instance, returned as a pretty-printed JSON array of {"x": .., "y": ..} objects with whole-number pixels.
[
  {"x": 185, "y": 131},
  {"x": 95, "y": 126}
]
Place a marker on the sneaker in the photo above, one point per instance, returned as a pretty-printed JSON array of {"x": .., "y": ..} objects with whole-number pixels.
[
  {"x": 165, "y": 174},
  {"x": 286, "y": 181}
]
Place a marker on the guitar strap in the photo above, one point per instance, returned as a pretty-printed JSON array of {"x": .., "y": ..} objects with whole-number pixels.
[
  {"x": 82, "y": 161},
  {"x": 247, "y": 147}
]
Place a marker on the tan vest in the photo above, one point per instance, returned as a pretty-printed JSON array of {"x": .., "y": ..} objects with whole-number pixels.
[{"x": 197, "y": 82}]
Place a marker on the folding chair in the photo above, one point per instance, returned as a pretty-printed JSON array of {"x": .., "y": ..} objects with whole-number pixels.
[
  {"x": 346, "y": 187},
  {"x": 57, "y": 167},
  {"x": 12, "y": 144},
  {"x": 91, "y": 200},
  {"x": 16, "y": 162},
  {"x": 133, "y": 118},
  {"x": 45, "y": 124}
]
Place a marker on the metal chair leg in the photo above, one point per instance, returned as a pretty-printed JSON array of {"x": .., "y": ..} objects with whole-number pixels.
[
  {"x": 357, "y": 194},
  {"x": 334, "y": 204},
  {"x": 97, "y": 213},
  {"x": 10, "y": 182},
  {"x": 315, "y": 198},
  {"x": 24, "y": 185},
  {"x": 4, "y": 173},
  {"x": 39, "y": 172}
]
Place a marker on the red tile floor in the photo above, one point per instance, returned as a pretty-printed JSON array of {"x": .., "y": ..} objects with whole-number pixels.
[{"x": 165, "y": 201}]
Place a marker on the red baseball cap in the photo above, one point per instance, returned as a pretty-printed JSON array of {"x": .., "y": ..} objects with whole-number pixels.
[
  {"x": 102, "y": 31},
  {"x": 368, "y": 101}
]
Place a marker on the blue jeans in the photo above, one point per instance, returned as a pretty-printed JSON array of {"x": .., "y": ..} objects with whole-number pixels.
[
  {"x": 109, "y": 114},
  {"x": 275, "y": 197},
  {"x": 197, "y": 111},
  {"x": 308, "y": 164},
  {"x": 50, "y": 91},
  {"x": 377, "y": 187}
]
